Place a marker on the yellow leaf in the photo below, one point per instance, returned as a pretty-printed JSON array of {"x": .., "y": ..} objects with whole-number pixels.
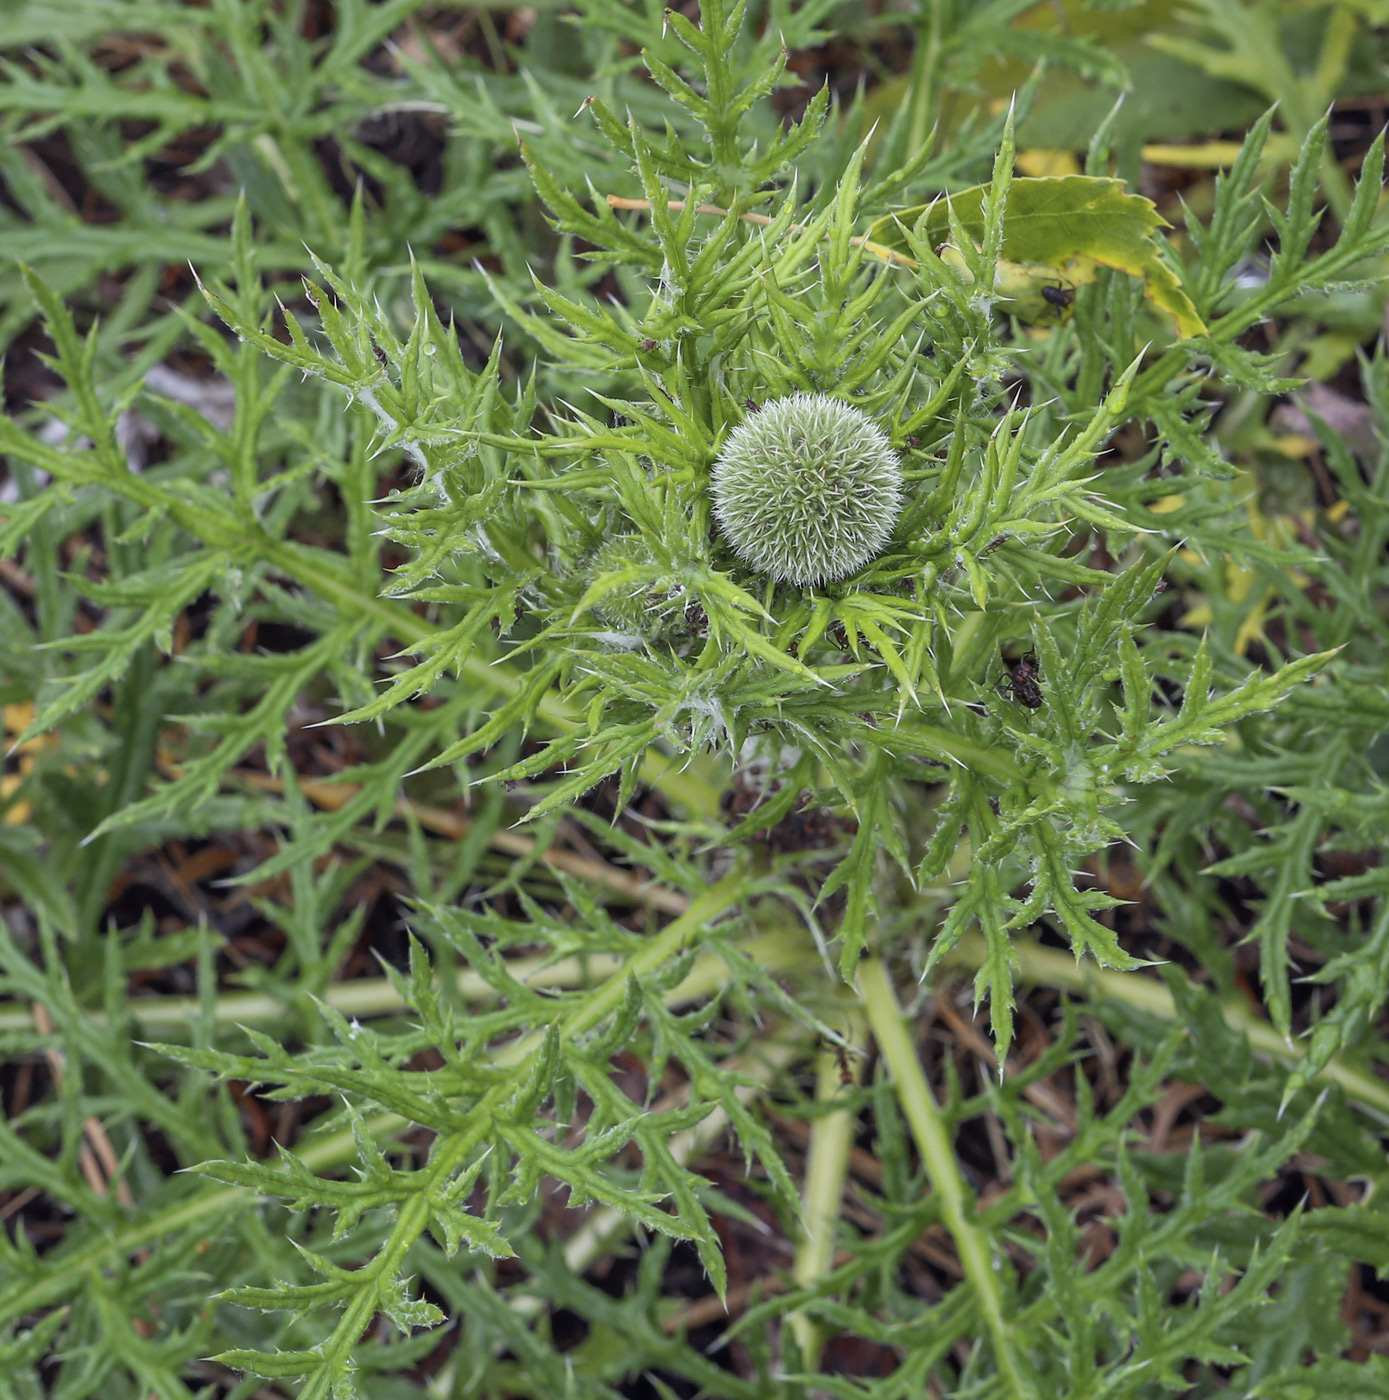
[
  {"x": 1057, "y": 232},
  {"x": 1044, "y": 162}
]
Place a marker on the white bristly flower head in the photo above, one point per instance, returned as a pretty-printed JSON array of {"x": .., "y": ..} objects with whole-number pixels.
[{"x": 807, "y": 489}]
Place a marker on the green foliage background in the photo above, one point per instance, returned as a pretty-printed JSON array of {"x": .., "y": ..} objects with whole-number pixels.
[{"x": 464, "y": 429}]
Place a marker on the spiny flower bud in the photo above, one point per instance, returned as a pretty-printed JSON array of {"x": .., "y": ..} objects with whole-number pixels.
[
  {"x": 807, "y": 489},
  {"x": 642, "y": 607},
  {"x": 625, "y": 607}
]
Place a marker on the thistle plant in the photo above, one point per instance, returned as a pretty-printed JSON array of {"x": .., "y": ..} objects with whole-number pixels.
[
  {"x": 577, "y": 626},
  {"x": 807, "y": 489}
]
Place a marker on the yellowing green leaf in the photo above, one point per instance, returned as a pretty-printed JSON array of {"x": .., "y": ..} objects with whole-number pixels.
[{"x": 1057, "y": 232}]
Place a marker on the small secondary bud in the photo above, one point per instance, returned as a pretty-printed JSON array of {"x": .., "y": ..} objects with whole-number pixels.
[
  {"x": 628, "y": 606},
  {"x": 807, "y": 489}
]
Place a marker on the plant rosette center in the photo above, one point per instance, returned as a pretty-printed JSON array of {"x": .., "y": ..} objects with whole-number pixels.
[{"x": 807, "y": 489}]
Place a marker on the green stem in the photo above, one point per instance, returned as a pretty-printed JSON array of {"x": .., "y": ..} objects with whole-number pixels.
[
  {"x": 1341, "y": 30},
  {"x": 669, "y": 943},
  {"x": 1050, "y": 967},
  {"x": 333, "y": 1150},
  {"x": 450, "y": 1154},
  {"x": 925, "y": 77},
  {"x": 827, "y": 1169},
  {"x": 303, "y": 564},
  {"x": 758, "y": 1068},
  {"x": 779, "y": 949},
  {"x": 139, "y": 715},
  {"x": 366, "y": 997},
  {"x": 938, "y": 1156}
]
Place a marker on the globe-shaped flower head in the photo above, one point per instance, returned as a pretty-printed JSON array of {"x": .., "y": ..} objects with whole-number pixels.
[{"x": 807, "y": 489}]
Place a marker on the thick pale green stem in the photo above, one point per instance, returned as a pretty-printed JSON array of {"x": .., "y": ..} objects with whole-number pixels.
[
  {"x": 928, "y": 1128},
  {"x": 776, "y": 949},
  {"x": 827, "y": 1168},
  {"x": 1050, "y": 967},
  {"x": 365, "y": 997}
]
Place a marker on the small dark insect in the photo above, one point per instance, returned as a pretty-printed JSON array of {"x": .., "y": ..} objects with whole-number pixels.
[
  {"x": 647, "y": 346},
  {"x": 992, "y": 545},
  {"x": 1161, "y": 587},
  {"x": 379, "y": 353},
  {"x": 1058, "y": 296},
  {"x": 841, "y": 1058},
  {"x": 1020, "y": 685},
  {"x": 913, "y": 442},
  {"x": 696, "y": 619},
  {"x": 750, "y": 405},
  {"x": 929, "y": 352}
]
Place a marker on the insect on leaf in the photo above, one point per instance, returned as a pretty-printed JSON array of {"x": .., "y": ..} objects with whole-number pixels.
[{"x": 1058, "y": 231}]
